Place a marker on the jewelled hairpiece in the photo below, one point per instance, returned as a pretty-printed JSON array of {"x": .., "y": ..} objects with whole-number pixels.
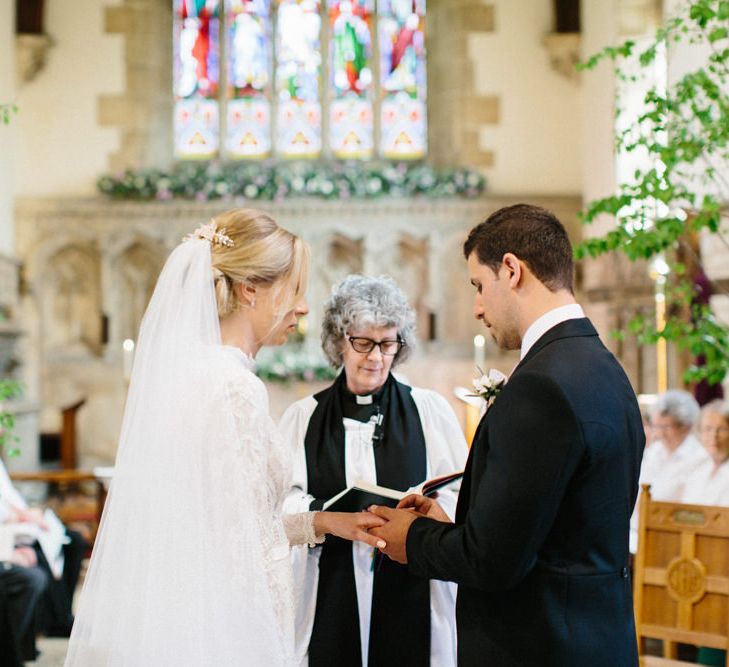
[{"x": 210, "y": 233}]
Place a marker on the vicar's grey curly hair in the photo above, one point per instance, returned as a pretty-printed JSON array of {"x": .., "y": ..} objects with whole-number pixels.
[
  {"x": 359, "y": 302},
  {"x": 678, "y": 404}
]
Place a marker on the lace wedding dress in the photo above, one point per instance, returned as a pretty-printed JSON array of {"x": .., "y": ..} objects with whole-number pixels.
[{"x": 191, "y": 563}]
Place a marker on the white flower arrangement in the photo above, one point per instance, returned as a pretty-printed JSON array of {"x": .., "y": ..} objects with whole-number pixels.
[
  {"x": 488, "y": 385},
  {"x": 274, "y": 181}
]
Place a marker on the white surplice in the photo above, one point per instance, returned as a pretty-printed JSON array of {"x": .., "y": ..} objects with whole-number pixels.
[
  {"x": 667, "y": 471},
  {"x": 446, "y": 452},
  {"x": 708, "y": 485}
]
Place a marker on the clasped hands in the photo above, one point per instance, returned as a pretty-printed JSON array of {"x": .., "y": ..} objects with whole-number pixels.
[
  {"x": 383, "y": 528},
  {"x": 397, "y": 523}
]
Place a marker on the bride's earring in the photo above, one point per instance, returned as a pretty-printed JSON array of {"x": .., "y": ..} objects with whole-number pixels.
[{"x": 253, "y": 303}]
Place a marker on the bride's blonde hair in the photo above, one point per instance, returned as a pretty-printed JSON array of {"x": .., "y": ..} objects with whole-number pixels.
[{"x": 262, "y": 254}]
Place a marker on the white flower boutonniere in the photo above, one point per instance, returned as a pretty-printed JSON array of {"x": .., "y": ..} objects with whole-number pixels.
[{"x": 489, "y": 385}]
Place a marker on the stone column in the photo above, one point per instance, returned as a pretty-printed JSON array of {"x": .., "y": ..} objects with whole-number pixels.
[
  {"x": 7, "y": 132},
  {"x": 456, "y": 109},
  {"x": 25, "y": 410}
]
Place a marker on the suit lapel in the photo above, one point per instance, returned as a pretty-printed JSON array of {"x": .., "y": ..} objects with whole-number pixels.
[{"x": 567, "y": 329}]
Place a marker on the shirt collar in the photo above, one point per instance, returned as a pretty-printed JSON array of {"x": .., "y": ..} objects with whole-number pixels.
[{"x": 552, "y": 318}]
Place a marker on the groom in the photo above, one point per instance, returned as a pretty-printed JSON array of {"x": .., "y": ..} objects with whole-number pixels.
[{"x": 539, "y": 546}]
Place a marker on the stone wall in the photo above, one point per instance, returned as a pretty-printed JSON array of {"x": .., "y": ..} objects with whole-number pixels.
[{"x": 89, "y": 265}]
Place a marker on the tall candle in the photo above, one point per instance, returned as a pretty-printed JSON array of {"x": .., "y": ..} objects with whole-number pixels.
[
  {"x": 479, "y": 351},
  {"x": 127, "y": 358}
]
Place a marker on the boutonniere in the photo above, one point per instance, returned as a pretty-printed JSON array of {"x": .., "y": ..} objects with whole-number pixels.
[{"x": 488, "y": 385}]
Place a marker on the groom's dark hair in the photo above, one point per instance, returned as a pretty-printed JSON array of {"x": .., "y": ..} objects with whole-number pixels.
[{"x": 531, "y": 233}]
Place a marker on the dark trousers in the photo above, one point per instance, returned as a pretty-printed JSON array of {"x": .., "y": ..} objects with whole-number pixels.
[
  {"x": 9, "y": 647},
  {"x": 22, "y": 588},
  {"x": 55, "y": 617}
]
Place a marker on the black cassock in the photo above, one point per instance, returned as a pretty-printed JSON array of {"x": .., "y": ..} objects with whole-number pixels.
[{"x": 400, "y": 617}]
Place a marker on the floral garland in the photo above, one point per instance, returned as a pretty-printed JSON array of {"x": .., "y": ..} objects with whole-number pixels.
[
  {"x": 204, "y": 181},
  {"x": 291, "y": 363}
]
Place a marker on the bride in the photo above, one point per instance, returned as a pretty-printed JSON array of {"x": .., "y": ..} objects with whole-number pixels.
[{"x": 191, "y": 563}]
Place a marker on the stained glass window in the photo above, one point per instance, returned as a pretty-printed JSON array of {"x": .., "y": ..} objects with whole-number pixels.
[
  {"x": 298, "y": 71},
  {"x": 299, "y": 79},
  {"x": 402, "y": 78},
  {"x": 248, "y": 108},
  {"x": 197, "y": 78},
  {"x": 350, "y": 46}
]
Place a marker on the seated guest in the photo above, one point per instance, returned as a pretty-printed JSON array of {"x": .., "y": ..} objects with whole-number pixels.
[
  {"x": 55, "y": 616},
  {"x": 22, "y": 584},
  {"x": 709, "y": 484},
  {"x": 357, "y": 607},
  {"x": 675, "y": 453}
]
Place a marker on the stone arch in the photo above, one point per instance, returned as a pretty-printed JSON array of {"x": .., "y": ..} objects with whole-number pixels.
[
  {"x": 135, "y": 271},
  {"x": 411, "y": 270},
  {"x": 344, "y": 255},
  {"x": 70, "y": 297},
  {"x": 455, "y": 322}
]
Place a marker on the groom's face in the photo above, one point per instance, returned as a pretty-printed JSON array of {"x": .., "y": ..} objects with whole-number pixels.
[{"x": 494, "y": 303}]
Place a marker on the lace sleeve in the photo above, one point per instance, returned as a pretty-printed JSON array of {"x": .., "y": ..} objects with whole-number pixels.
[{"x": 300, "y": 529}]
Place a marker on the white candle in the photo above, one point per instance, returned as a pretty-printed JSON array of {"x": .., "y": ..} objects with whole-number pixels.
[
  {"x": 479, "y": 351},
  {"x": 127, "y": 358}
]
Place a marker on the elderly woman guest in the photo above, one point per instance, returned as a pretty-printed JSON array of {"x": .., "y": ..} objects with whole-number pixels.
[
  {"x": 360, "y": 608},
  {"x": 709, "y": 484},
  {"x": 675, "y": 453}
]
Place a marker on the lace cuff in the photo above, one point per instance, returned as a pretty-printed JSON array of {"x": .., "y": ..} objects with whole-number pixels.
[{"x": 300, "y": 529}]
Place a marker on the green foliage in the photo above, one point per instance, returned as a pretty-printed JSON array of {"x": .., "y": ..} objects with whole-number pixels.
[
  {"x": 274, "y": 181},
  {"x": 684, "y": 131},
  {"x": 293, "y": 363},
  {"x": 9, "y": 389},
  {"x": 6, "y": 112}
]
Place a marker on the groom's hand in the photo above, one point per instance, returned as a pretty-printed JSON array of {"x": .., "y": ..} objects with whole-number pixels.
[
  {"x": 424, "y": 506},
  {"x": 394, "y": 532}
]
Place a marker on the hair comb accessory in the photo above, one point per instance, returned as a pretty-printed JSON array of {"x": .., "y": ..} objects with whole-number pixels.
[{"x": 211, "y": 234}]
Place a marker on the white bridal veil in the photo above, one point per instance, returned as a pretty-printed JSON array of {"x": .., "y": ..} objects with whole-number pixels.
[{"x": 177, "y": 575}]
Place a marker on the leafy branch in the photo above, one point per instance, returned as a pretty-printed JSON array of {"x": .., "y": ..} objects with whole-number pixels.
[
  {"x": 6, "y": 112},
  {"x": 9, "y": 389},
  {"x": 683, "y": 191}
]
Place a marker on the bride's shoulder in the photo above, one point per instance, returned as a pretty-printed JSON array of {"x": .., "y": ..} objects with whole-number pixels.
[{"x": 229, "y": 370}]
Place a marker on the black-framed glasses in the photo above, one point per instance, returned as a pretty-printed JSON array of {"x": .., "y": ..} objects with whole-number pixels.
[{"x": 365, "y": 345}]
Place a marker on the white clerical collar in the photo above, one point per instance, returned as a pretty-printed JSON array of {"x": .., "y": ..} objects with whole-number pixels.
[
  {"x": 363, "y": 400},
  {"x": 552, "y": 318}
]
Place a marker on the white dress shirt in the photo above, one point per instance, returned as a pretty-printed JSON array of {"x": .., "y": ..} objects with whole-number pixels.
[
  {"x": 708, "y": 485},
  {"x": 552, "y": 318}
]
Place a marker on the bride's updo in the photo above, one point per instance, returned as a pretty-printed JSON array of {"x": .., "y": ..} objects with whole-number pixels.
[{"x": 262, "y": 253}]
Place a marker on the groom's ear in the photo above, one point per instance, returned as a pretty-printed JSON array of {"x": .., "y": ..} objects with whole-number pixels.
[{"x": 514, "y": 269}]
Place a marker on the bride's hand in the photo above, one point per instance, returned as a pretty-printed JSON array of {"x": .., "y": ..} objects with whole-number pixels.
[{"x": 350, "y": 526}]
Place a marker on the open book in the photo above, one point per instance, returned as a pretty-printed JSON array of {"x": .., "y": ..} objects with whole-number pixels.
[{"x": 362, "y": 494}]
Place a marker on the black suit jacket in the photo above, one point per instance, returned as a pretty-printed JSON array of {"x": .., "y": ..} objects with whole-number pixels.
[{"x": 539, "y": 547}]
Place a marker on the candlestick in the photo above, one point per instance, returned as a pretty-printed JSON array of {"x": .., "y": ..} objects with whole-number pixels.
[
  {"x": 479, "y": 351},
  {"x": 127, "y": 358}
]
